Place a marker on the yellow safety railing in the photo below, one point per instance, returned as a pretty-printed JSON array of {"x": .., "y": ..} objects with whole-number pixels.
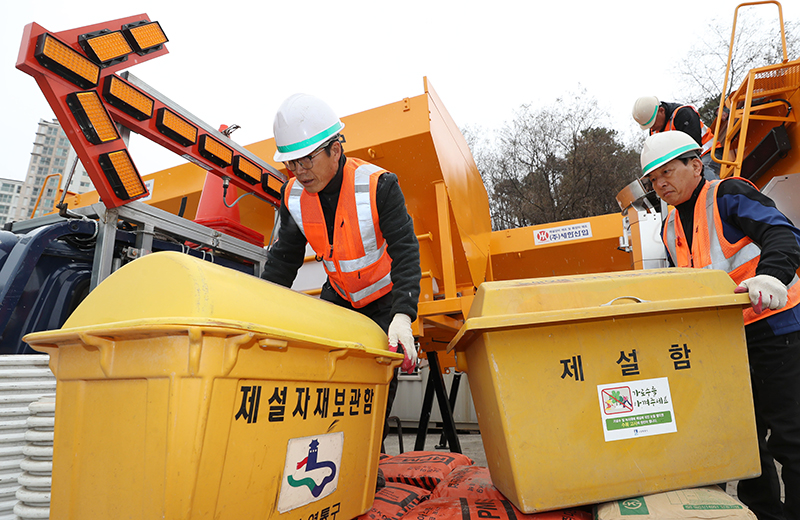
[
  {"x": 41, "y": 192},
  {"x": 761, "y": 83}
]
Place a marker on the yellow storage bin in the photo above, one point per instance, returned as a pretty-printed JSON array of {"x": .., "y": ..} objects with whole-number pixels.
[
  {"x": 186, "y": 390},
  {"x": 599, "y": 387}
]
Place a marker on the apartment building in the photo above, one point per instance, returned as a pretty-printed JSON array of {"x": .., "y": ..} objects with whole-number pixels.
[
  {"x": 10, "y": 190},
  {"x": 51, "y": 160}
]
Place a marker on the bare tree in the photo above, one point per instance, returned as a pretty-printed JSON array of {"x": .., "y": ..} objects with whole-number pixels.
[
  {"x": 553, "y": 164},
  {"x": 598, "y": 166},
  {"x": 757, "y": 44}
]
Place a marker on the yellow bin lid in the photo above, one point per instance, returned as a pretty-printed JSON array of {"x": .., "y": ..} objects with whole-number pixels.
[
  {"x": 521, "y": 303},
  {"x": 169, "y": 290}
]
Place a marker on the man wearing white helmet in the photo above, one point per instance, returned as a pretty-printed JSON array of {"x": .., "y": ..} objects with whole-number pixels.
[
  {"x": 353, "y": 215},
  {"x": 730, "y": 225},
  {"x": 660, "y": 116}
]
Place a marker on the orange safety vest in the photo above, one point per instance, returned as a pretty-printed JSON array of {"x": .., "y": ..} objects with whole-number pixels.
[
  {"x": 710, "y": 249},
  {"x": 357, "y": 264},
  {"x": 706, "y": 135}
]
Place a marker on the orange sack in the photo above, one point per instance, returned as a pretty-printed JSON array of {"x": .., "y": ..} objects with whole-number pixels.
[
  {"x": 468, "y": 482},
  {"x": 423, "y": 469},
  {"x": 485, "y": 509},
  {"x": 394, "y": 501}
]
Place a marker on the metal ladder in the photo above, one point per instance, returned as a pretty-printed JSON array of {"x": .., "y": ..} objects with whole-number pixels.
[{"x": 757, "y": 99}]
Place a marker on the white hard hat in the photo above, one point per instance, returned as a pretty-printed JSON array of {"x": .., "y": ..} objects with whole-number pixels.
[
  {"x": 645, "y": 110},
  {"x": 661, "y": 148},
  {"x": 301, "y": 125}
]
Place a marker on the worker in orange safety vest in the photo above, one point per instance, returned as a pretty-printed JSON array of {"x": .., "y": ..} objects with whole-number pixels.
[
  {"x": 660, "y": 116},
  {"x": 353, "y": 214},
  {"x": 730, "y": 225}
]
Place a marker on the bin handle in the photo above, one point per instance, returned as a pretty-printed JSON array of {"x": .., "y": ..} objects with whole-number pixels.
[
  {"x": 634, "y": 298},
  {"x": 231, "y": 353},
  {"x": 333, "y": 357},
  {"x": 105, "y": 347}
]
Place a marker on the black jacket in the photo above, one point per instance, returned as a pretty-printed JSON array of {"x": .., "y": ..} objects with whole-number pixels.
[{"x": 686, "y": 120}]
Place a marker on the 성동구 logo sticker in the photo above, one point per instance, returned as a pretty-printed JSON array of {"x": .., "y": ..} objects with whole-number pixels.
[{"x": 311, "y": 471}]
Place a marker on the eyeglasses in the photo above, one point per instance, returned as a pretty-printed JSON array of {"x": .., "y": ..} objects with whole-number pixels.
[{"x": 306, "y": 162}]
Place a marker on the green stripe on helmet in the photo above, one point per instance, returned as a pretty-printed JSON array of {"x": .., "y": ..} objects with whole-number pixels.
[
  {"x": 319, "y": 138},
  {"x": 653, "y": 117},
  {"x": 652, "y": 165}
]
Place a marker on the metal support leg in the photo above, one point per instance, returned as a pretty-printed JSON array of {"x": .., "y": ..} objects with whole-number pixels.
[
  {"x": 399, "y": 427},
  {"x": 425, "y": 413},
  {"x": 435, "y": 386},
  {"x": 144, "y": 239},
  {"x": 104, "y": 250},
  {"x": 453, "y": 396}
]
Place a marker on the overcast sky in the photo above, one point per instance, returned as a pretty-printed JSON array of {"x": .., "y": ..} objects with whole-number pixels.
[{"x": 236, "y": 61}]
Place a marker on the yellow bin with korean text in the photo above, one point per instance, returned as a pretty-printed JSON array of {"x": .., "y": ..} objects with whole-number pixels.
[
  {"x": 189, "y": 390},
  {"x": 599, "y": 387}
]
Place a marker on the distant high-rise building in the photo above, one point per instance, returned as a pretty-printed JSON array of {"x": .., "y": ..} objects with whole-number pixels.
[
  {"x": 51, "y": 160},
  {"x": 10, "y": 190}
]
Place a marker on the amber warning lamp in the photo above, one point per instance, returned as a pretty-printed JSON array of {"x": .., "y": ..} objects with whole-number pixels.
[
  {"x": 144, "y": 37},
  {"x": 92, "y": 117},
  {"x": 105, "y": 47},
  {"x": 122, "y": 174},
  {"x": 175, "y": 127},
  {"x": 66, "y": 62},
  {"x": 127, "y": 98}
]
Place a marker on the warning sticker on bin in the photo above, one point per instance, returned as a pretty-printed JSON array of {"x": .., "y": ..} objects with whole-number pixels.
[
  {"x": 311, "y": 471},
  {"x": 636, "y": 409}
]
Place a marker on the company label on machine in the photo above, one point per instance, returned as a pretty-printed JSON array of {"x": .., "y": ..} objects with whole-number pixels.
[
  {"x": 636, "y": 409},
  {"x": 312, "y": 470},
  {"x": 562, "y": 233},
  {"x": 149, "y": 184}
]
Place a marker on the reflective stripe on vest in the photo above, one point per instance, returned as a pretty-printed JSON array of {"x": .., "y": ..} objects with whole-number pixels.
[
  {"x": 375, "y": 288},
  {"x": 366, "y": 224},
  {"x": 293, "y": 203},
  {"x": 358, "y": 267},
  {"x": 706, "y": 135},
  {"x": 711, "y": 250}
]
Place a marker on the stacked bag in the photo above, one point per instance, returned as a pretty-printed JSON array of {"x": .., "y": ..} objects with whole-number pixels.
[{"x": 428, "y": 485}]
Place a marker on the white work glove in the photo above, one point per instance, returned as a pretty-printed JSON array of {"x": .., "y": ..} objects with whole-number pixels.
[
  {"x": 765, "y": 291},
  {"x": 400, "y": 332}
]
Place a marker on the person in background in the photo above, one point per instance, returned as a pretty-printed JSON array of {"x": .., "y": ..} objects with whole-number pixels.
[
  {"x": 353, "y": 215},
  {"x": 660, "y": 116},
  {"x": 730, "y": 225}
]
